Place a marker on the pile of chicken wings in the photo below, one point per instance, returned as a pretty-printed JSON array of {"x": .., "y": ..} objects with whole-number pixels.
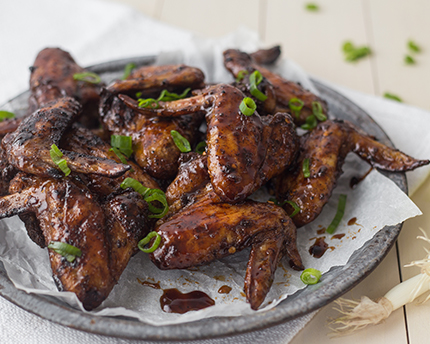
[{"x": 209, "y": 215}]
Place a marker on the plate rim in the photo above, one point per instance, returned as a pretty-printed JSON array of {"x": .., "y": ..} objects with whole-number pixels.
[{"x": 130, "y": 328}]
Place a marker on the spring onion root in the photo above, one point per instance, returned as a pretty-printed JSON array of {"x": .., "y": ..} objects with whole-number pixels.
[{"x": 357, "y": 315}]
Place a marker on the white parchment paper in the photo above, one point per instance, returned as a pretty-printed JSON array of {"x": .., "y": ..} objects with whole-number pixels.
[{"x": 375, "y": 202}]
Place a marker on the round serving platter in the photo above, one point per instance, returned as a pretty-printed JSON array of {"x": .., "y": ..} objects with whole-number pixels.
[{"x": 334, "y": 283}]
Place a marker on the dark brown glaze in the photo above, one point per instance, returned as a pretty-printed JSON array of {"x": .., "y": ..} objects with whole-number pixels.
[
  {"x": 67, "y": 213},
  {"x": 326, "y": 148},
  {"x": 210, "y": 229},
  {"x": 173, "y": 301},
  {"x": 9, "y": 125},
  {"x": 52, "y": 78},
  {"x": 153, "y": 146},
  {"x": 28, "y": 147},
  {"x": 236, "y": 60},
  {"x": 83, "y": 141},
  {"x": 151, "y": 80},
  {"x": 266, "y": 56},
  {"x": 243, "y": 152}
]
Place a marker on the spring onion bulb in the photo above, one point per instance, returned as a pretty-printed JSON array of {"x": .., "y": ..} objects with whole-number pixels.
[{"x": 357, "y": 315}]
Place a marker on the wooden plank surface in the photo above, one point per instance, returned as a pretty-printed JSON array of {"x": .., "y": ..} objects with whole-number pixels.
[{"x": 314, "y": 40}]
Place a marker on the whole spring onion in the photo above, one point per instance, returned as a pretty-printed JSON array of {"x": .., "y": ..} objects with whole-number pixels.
[
  {"x": 247, "y": 106},
  {"x": 255, "y": 79},
  {"x": 147, "y": 239},
  {"x": 127, "y": 70},
  {"x": 181, "y": 142},
  {"x": 310, "y": 276},
  {"x": 149, "y": 195},
  {"x": 68, "y": 251},
  {"x": 56, "y": 156},
  {"x": 6, "y": 114},
  {"x": 296, "y": 105},
  {"x": 357, "y": 315},
  {"x": 89, "y": 77},
  {"x": 339, "y": 215}
]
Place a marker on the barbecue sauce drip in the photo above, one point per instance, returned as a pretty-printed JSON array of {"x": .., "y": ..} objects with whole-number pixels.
[
  {"x": 225, "y": 289},
  {"x": 352, "y": 221},
  {"x": 319, "y": 247},
  {"x": 338, "y": 236},
  {"x": 355, "y": 180},
  {"x": 173, "y": 301}
]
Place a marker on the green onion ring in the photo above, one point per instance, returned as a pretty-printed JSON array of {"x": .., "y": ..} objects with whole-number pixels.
[
  {"x": 339, "y": 215},
  {"x": 296, "y": 105},
  {"x": 89, "y": 77},
  {"x": 247, "y": 106},
  {"x": 201, "y": 147},
  {"x": 318, "y": 111},
  {"x": 56, "y": 156},
  {"x": 311, "y": 123},
  {"x": 255, "y": 79},
  {"x": 68, "y": 251},
  {"x": 310, "y": 276},
  {"x": 148, "y": 103},
  {"x": 147, "y": 239},
  {"x": 295, "y": 207},
  {"x": 181, "y": 142}
]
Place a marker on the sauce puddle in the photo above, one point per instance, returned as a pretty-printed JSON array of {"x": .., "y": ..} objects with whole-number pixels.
[
  {"x": 173, "y": 301},
  {"x": 318, "y": 249}
]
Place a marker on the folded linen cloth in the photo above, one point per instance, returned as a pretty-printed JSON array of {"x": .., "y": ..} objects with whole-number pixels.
[{"x": 95, "y": 31}]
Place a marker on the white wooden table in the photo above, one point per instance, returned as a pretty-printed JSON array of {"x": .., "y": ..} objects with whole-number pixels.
[{"x": 314, "y": 40}]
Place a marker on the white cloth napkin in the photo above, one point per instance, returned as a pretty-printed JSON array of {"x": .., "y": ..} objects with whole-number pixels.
[{"x": 95, "y": 31}]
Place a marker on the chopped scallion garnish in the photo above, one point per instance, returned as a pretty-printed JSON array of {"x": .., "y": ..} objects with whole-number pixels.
[
  {"x": 292, "y": 203},
  {"x": 247, "y": 106},
  {"x": 339, "y": 215},
  {"x": 127, "y": 70},
  {"x": 123, "y": 143},
  {"x": 318, "y": 111},
  {"x": 147, "y": 239},
  {"x": 165, "y": 96},
  {"x": 305, "y": 168},
  {"x": 312, "y": 7},
  {"x": 6, "y": 114},
  {"x": 311, "y": 123},
  {"x": 56, "y": 156},
  {"x": 241, "y": 75},
  {"x": 255, "y": 79},
  {"x": 409, "y": 60},
  {"x": 310, "y": 276},
  {"x": 181, "y": 142},
  {"x": 413, "y": 47},
  {"x": 148, "y": 103},
  {"x": 68, "y": 251},
  {"x": 353, "y": 53},
  {"x": 201, "y": 147},
  {"x": 296, "y": 106},
  {"x": 89, "y": 77},
  {"x": 393, "y": 97},
  {"x": 119, "y": 155}
]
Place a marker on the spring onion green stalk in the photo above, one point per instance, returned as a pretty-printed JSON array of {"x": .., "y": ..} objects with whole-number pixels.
[
  {"x": 181, "y": 142},
  {"x": 142, "y": 243},
  {"x": 56, "y": 156},
  {"x": 305, "y": 168},
  {"x": 241, "y": 75},
  {"x": 6, "y": 114},
  {"x": 247, "y": 106},
  {"x": 149, "y": 195},
  {"x": 339, "y": 215},
  {"x": 357, "y": 315},
  {"x": 296, "y": 105},
  {"x": 255, "y": 79},
  {"x": 127, "y": 70},
  {"x": 409, "y": 60},
  {"x": 310, "y": 276},
  {"x": 392, "y": 97},
  {"x": 89, "y": 77},
  {"x": 201, "y": 147},
  {"x": 68, "y": 251}
]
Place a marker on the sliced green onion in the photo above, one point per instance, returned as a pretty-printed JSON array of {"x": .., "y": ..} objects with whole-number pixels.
[
  {"x": 311, "y": 122},
  {"x": 292, "y": 203},
  {"x": 89, "y": 77},
  {"x": 181, "y": 142},
  {"x": 68, "y": 251},
  {"x": 6, "y": 114},
  {"x": 392, "y": 97},
  {"x": 339, "y": 215},
  {"x": 201, "y": 147},
  {"x": 56, "y": 156},
  {"x": 353, "y": 53},
  {"x": 241, "y": 75},
  {"x": 318, "y": 111},
  {"x": 312, "y": 7},
  {"x": 123, "y": 143},
  {"x": 119, "y": 155},
  {"x": 310, "y": 276},
  {"x": 166, "y": 96},
  {"x": 296, "y": 106},
  {"x": 255, "y": 79},
  {"x": 247, "y": 106},
  {"x": 127, "y": 70},
  {"x": 305, "y": 168},
  {"x": 413, "y": 47},
  {"x": 147, "y": 239},
  {"x": 149, "y": 195},
  {"x": 347, "y": 47},
  {"x": 409, "y": 60},
  {"x": 148, "y": 103}
]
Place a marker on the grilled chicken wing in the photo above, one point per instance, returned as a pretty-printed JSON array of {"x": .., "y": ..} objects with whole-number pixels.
[
  {"x": 210, "y": 229},
  {"x": 27, "y": 148},
  {"x": 244, "y": 152},
  {"x": 326, "y": 148},
  {"x": 235, "y": 61},
  {"x": 266, "y": 56}
]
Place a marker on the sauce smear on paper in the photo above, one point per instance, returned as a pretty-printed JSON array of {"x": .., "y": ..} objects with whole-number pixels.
[
  {"x": 173, "y": 301},
  {"x": 225, "y": 289},
  {"x": 319, "y": 247}
]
